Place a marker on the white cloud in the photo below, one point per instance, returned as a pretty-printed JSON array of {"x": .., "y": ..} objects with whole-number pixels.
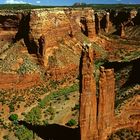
[
  {"x": 38, "y": 2},
  {"x": 15, "y": 2}
]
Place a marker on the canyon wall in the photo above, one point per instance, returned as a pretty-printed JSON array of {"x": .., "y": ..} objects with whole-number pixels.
[
  {"x": 121, "y": 22},
  {"x": 52, "y": 26},
  {"x": 9, "y": 23},
  {"x": 45, "y": 28},
  {"x": 8, "y": 81},
  {"x": 45, "y": 32},
  {"x": 66, "y": 74}
]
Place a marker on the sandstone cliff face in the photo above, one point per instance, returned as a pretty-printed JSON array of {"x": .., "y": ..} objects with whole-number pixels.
[
  {"x": 63, "y": 22},
  {"x": 45, "y": 28},
  {"x": 9, "y": 23},
  {"x": 122, "y": 50},
  {"x": 129, "y": 116},
  {"x": 63, "y": 74},
  {"x": 8, "y": 81},
  {"x": 52, "y": 36},
  {"x": 118, "y": 22},
  {"x": 55, "y": 25}
]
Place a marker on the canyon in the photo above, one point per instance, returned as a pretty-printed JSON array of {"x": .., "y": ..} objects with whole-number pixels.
[{"x": 49, "y": 54}]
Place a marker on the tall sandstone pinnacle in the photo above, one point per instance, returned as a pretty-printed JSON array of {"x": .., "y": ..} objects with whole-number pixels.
[
  {"x": 91, "y": 25},
  {"x": 88, "y": 108},
  {"x": 122, "y": 31},
  {"x": 96, "y": 117},
  {"x": 106, "y": 101},
  {"x": 108, "y": 23}
]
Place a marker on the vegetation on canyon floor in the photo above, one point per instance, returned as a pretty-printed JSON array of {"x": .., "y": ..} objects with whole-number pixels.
[{"x": 45, "y": 112}]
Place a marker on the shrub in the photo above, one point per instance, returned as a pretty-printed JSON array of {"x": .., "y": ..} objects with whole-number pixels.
[
  {"x": 27, "y": 67},
  {"x": 53, "y": 84},
  {"x": 13, "y": 117},
  {"x": 23, "y": 133},
  {"x": 66, "y": 97},
  {"x": 6, "y": 137},
  {"x": 76, "y": 107},
  {"x": 33, "y": 116},
  {"x": 11, "y": 106},
  {"x": 46, "y": 122},
  {"x": 50, "y": 110},
  {"x": 71, "y": 122}
]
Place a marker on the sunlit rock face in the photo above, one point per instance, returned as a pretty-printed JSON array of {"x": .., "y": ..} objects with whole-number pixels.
[
  {"x": 56, "y": 25},
  {"x": 52, "y": 36},
  {"x": 88, "y": 100},
  {"x": 45, "y": 28}
]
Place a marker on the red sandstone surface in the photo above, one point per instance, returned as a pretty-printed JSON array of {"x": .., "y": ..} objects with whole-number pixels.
[
  {"x": 8, "y": 81},
  {"x": 43, "y": 48}
]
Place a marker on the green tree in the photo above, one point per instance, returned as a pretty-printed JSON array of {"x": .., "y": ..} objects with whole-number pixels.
[
  {"x": 71, "y": 122},
  {"x": 13, "y": 117},
  {"x": 11, "y": 106},
  {"x": 33, "y": 116}
]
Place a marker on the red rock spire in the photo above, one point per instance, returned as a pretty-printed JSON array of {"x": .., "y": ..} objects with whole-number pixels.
[{"x": 88, "y": 108}]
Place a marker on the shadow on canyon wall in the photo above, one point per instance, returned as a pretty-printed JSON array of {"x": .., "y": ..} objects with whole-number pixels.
[
  {"x": 134, "y": 77},
  {"x": 24, "y": 32},
  {"x": 53, "y": 131},
  {"x": 134, "y": 74}
]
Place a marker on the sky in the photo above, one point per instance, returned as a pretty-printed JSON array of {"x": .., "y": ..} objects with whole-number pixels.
[{"x": 67, "y": 2}]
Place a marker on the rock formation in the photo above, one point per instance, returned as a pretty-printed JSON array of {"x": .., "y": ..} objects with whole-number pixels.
[
  {"x": 106, "y": 100},
  {"x": 104, "y": 121},
  {"x": 108, "y": 23},
  {"x": 93, "y": 125},
  {"x": 118, "y": 22},
  {"x": 88, "y": 108},
  {"x": 8, "y": 81},
  {"x": 103, "y": 23},
  {"x": 122, "y": 29},
  {"x": 9, "y": 23},
  {"x": 91, "y": 25},
  {"x": 58, "y": 23},
  {"x": 42, "y": 32}
]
